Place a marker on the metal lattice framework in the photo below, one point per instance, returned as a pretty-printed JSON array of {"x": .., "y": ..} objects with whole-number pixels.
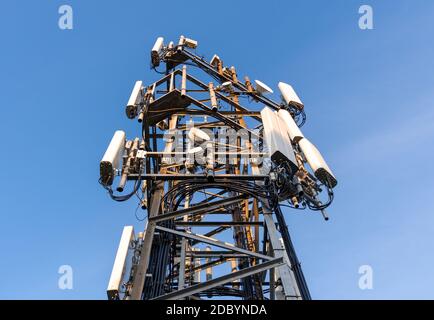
[{"x": 203, "y": 173}]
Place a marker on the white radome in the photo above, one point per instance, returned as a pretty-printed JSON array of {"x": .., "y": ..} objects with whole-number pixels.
[
  {"x": 262, "y": 88},
  {"x": 289, "y": 95},
  {"x": 112, "y": 157},
  {"x": 135, "y": 96},
  {"x": 317, "y": 163},
  {"x": 291, "y": 127},
  {"x": 277, "y": 139}
]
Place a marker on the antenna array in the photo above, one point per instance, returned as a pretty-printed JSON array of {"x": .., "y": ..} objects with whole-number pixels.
[{"x": 214, "y": 162}]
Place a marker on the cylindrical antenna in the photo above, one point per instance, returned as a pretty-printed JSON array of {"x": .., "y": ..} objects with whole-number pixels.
[
  {"x": 248, "y": 84},
  {"x": 325, "y": 215},
  {"x": 141, "y": 116},
  {"x": 234, "y": 74},
  {"x": 220, "y": 67},
  {"x": 184, "y": 81},
  {"x": 297, "y": 182},
  {"x": 212, "y": 96},
  {"x": 123, "y": 181},
  {"x": 210, "y": 161},
  {"x": 127, "y": 166},
  {"x": 294, "y": 201},
  {"x": 144, "y": 202},
  {"x": 181, "y": 43}
]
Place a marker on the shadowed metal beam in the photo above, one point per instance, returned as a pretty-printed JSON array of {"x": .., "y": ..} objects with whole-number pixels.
[
  {"x": 215, "y": 254},
  {"x": 218, "y": 223},
  {"x": 213, "y": 242},
  {"x": 199, "y": 209},
  {"x": 221, "y": 280}
]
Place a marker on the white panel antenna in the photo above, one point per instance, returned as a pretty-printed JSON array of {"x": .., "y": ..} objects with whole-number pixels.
[
  {"x": 291, "y": 127},
  {"x": 123, "y": 258},
  {"x": 112, "y": 157},
  {"x": 135, "y": 99},
  {"x": 290, "y": 96},
  {"x": 277, "y": 139},
  {"x": 262, "y": 88},
  {"x": 317, "y": 163},
  {"x": 155, "y": 52}
]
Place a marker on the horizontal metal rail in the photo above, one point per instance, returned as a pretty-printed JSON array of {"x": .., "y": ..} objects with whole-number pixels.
[
  {"x": 218, "y": 223},
  {"x": 215, "y": 254},
  {"x": 199, "y": 209},
  {"x": 217, "y": 177}
]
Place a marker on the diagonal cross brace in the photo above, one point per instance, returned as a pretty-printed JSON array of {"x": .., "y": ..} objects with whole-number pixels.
[
  {"x": 213, "y": 242},
  {"x": 221, "y": 280}
]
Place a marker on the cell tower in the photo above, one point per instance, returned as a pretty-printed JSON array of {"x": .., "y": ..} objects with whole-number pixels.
[{"x": 214, "y": 161}]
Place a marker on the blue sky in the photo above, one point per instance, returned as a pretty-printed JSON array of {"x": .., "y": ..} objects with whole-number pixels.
[{"x": 368, "y": 96}]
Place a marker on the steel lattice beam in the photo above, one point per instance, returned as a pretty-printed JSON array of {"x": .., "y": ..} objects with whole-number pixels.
[
  {"x": 213, "y": 242},
  {"x": 221, "y": 280}
]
